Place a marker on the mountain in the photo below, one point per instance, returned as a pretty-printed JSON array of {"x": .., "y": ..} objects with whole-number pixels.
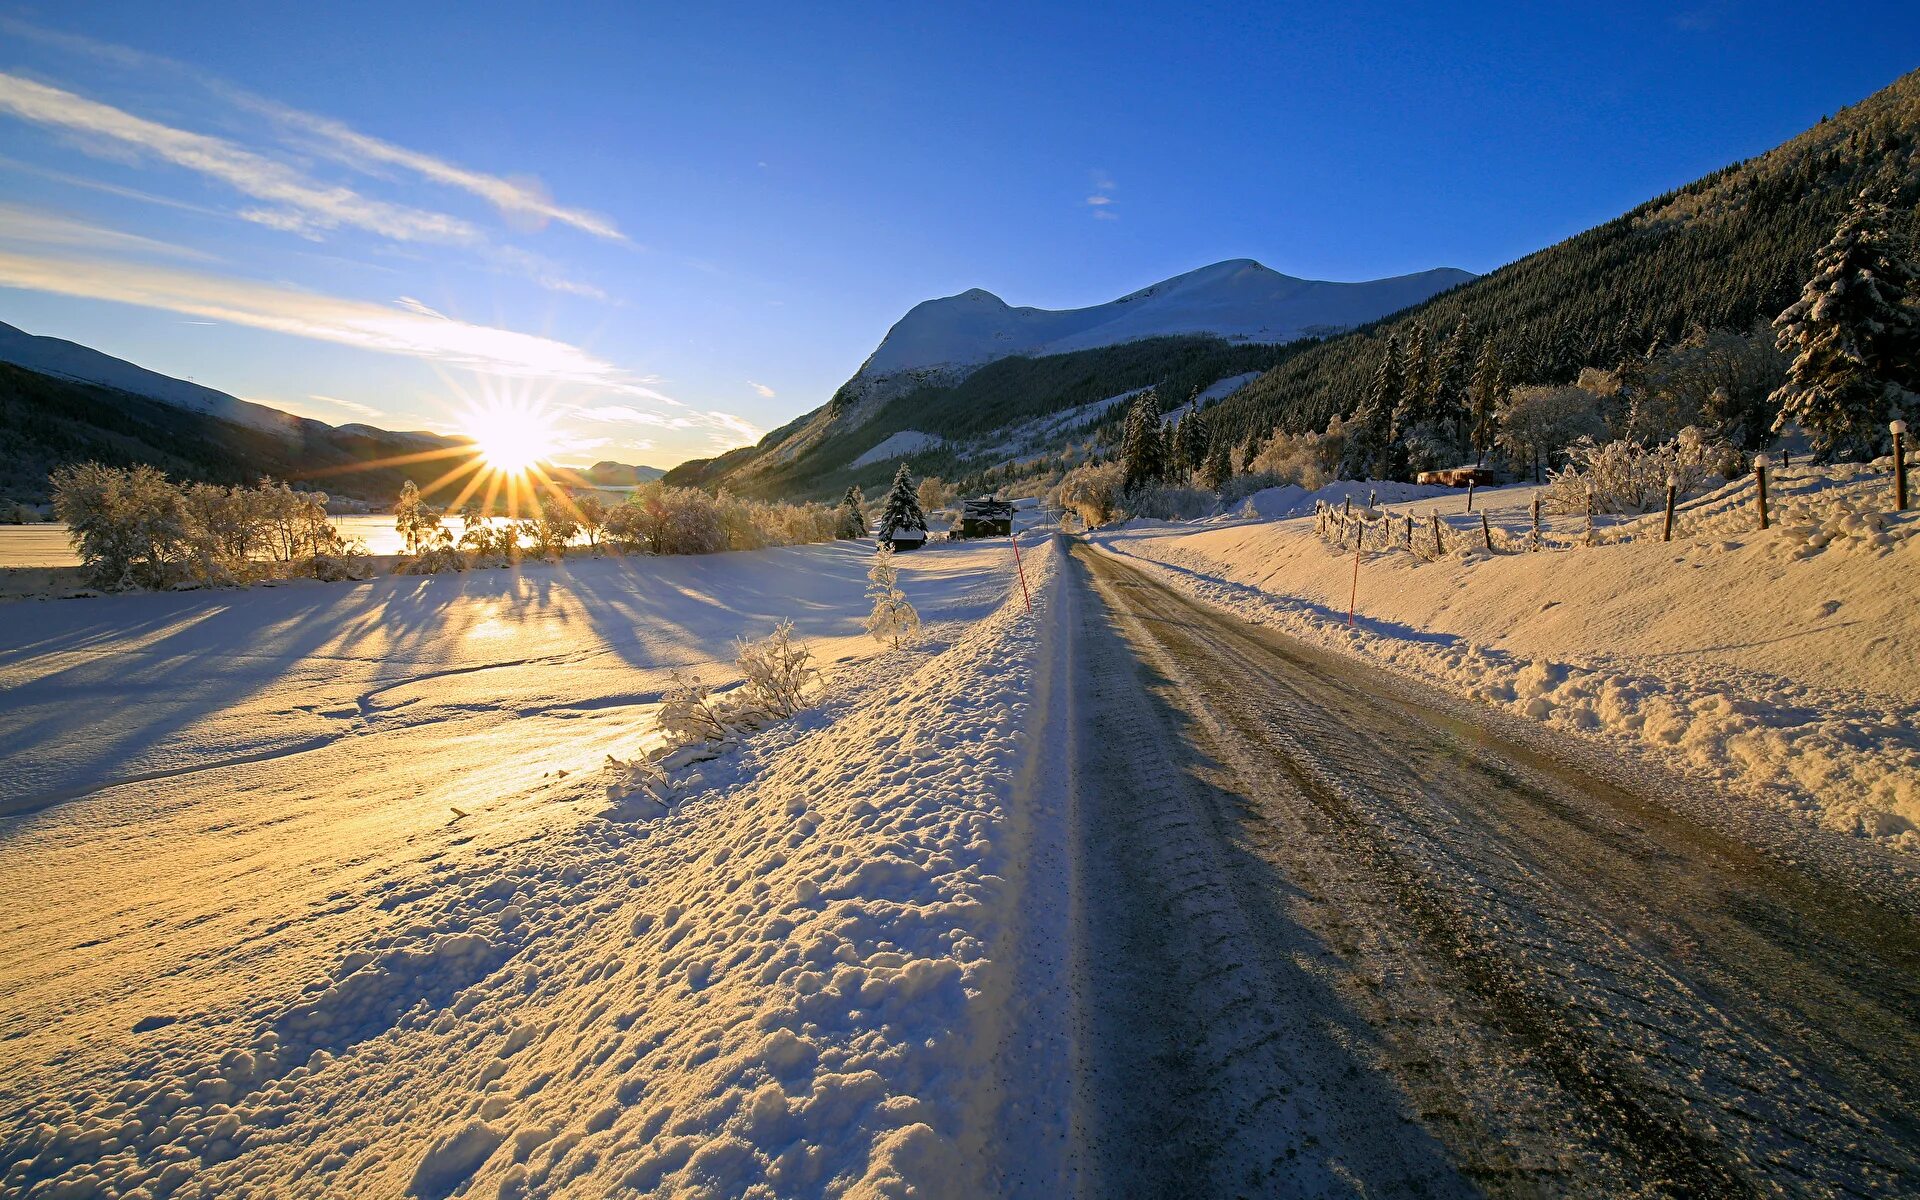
[
  {"x": 613, "y": 474},
  {"x": 82, "y": 364},
  {"x": 961, "y": 373},
  {"x": 1237, "y": 300},
  {"x": 1727, "y": 251},
  {"x": 61, "y": 402}
]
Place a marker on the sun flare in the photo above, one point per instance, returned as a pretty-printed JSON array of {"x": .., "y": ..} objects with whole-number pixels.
[{"x": 511, "y": 437}]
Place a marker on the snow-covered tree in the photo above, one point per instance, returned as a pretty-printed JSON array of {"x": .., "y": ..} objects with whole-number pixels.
[
  {"x": 850, "y": 519},
  {"x": 935, "y": 494},
  {"x": 893, "y": 619},
  {"x": 902, "y": 509},
  {"x": 410, "y": 517},
  {"x": 1143, "y": 450},
  {"x": 1854, "y": 338},
  {"x": 127, "y": 524},
  {"x": 1091, "y": 491},
  {"x": 1538, "y": 422}
]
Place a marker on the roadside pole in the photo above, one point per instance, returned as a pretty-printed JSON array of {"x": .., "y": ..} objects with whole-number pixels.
[{"x": 1024, "y": 594}]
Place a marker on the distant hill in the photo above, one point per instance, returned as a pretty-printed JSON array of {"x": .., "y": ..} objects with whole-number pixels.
[
  {"x": 613, "y": 474},
  {"x": 61, "y": 402},
  {"x": 970, "y": 367}
]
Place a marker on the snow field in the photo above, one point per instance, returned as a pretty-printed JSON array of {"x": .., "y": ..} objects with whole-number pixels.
[
  {"x": 765, "y": 991},
  {"x": 1780, "y": 664}
]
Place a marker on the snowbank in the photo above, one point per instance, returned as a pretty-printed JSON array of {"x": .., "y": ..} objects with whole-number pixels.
[
  {"x": 1779, "y": 664},
  {"x": 770, "y": 989}
]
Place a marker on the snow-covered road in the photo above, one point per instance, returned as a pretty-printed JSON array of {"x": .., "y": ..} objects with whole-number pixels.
[{"x": 1336, "y": 933}]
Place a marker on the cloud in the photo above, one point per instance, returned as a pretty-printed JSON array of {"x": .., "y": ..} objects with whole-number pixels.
[
  {"x": 1101, "y": 201},
  {"x": 763, "y": 389},
  {"x": 622, "y": 414},
  {"x": 39, "y": 230},
  {"x": 293, "y": 197},
  {"x": 525, "y": 200},
  {"x": 352, "y": 406}
]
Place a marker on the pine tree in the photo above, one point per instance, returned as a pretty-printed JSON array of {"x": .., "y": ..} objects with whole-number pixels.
[
  {"x": 1855, "y": 342},
  {"x": 1178, "y": 449},
  {"x": 902, "y": 511},
  {"x": 1199, "y": 438},
  {"x": 892, "y": 618},
  {"x": 1143, "y": 458},
  {"x": 1371, "y": 432},
  {"x": 1447, "y": 391},
  {"x": 1217, "y": 467},
  {"x": 1483, "y": 397},
  {"x": 851, "y": 519},
  {"x": 1416, "y": 379}
]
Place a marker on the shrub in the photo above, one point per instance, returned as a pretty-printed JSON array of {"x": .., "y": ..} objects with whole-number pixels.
[
  {"x": 893, "y": 618},
  {"x": 1628, "y": 477},
  {"x": 778, "y": 672},
  {"x": 1090, "y": 491},
  {"x": 128, "y": 525}
]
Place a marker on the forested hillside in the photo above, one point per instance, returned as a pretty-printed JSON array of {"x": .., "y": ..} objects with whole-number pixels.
[
  {"x": 46, "y": 422},
  {"x": 1724, "y": 252}
]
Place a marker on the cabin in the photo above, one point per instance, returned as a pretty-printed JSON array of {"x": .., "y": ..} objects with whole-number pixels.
[
  {"x": 1458, "y": 477},
  {"x": 905, "y": 539},
  {"x": 984, "y": 516}
]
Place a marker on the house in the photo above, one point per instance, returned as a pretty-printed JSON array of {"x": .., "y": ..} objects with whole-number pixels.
[
  {"x": 905, "y": 539},
  {"x": 1457, "y": 477},
  {"x": 984, "y": 516}
]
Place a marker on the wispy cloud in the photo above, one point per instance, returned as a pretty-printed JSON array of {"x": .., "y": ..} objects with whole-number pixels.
[
  {"x": 296, "y": 198},
  {"x": 524, "y": 199},
  {"x": 36, "y": 229},
  {"x": 408, "y": 327},
  {"x": 763, "y": 389},
  {"x": 1101, "y": 199}
]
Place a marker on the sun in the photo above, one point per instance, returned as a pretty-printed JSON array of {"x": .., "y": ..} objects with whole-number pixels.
[{"x": 511, "y": 438}]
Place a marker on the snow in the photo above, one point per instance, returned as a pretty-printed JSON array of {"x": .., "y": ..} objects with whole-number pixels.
[
  {"x": 1238, "y": 299},
  {"x": 337, "y": 903},
  {"x": 898, "y": 445},
  {"x": 1777, "y": 665}
]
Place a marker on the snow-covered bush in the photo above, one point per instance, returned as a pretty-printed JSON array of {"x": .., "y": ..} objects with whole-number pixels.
[
  {"x": 1627, "y": 477},
  {"x": 1091, "y": 492},
  {"x": 688, "y": 712},
  {"x": 1167, "y": 502},
  {"x": 893, "y": 618},
  {"x": 127, "y": 524},
  {"x": 1311, "y": 460},
  {"x": 778, "y": 673}
]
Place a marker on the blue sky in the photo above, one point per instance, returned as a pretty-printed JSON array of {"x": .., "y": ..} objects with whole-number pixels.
[{"x": 678, "y": 228}]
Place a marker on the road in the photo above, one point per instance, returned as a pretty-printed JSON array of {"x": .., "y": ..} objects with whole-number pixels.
[{"x": 1334, "y": 937}]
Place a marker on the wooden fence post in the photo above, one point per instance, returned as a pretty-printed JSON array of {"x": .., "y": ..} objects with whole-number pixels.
[
  {"x": 1672, "y": 485},
  {"x": 1760, "y": 478},
  {"x": 1348, "y": 510},
  {"x": 1373, "y": 498},
  {"x": 1470, "y": 495},
  {"x": 1536, "y": 521},
  {"x": 1899, "y": 429},
  {"x": 1589, "y": 514},
  {"x": 1486, "y": 531},
  {"x": 1439, "y": 546},
  {"x": 1409, "y": 533}
]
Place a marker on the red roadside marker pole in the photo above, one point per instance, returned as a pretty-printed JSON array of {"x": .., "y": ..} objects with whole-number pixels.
[
  {"x": 1024, "y": 594},
  {"x": 1355, "y": 597}
]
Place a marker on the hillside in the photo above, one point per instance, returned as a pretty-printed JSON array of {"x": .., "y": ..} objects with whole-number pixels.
[
  {"x": 970, "y": 368},
  {"x": 46, "y": 421},
  {"x": 1723, "y": 252}
]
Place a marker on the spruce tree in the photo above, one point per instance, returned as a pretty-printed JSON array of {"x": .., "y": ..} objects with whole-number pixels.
[
  {"x": 1371, "y": 431},
  {"x": 1180, "y": 448},
  {"x": 902, "y": 511},
  {"x": 1483, "y": 397},
  {"x": 851, "y": 520},
  {"x": 1199, "y": 438},
  {"x": 1217, "y": 467},
  {"x": 1143, "y": 457},
  {"x": 1855, "y": 342}
]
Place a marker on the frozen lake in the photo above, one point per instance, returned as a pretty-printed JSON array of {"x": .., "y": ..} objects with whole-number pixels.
[{"x": 46, "y": 545}]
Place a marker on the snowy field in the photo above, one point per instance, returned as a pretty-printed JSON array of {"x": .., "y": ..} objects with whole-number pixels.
[
  {"x": 317, "y": 889},
  {"x": 1780, "y": 664}
]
